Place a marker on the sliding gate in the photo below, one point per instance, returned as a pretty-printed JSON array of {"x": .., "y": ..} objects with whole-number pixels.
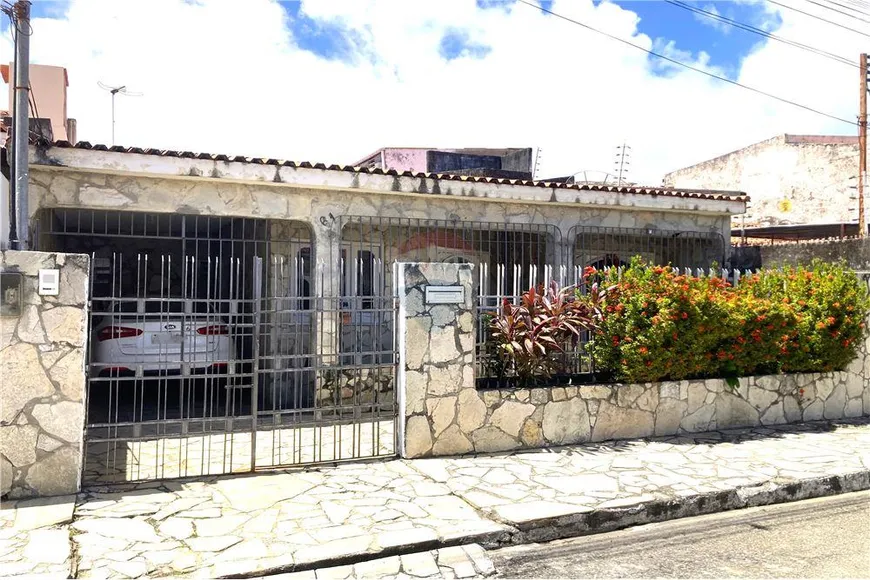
[{"x": 212, "y": 349}]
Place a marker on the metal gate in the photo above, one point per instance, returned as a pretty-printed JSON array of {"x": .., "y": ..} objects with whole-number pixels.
[{"x": 213, "y": 350}]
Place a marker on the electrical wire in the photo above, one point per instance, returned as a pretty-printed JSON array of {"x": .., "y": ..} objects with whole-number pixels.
[
  {"x": 688, "y": 66},
  {"x": 780, "y": 4},
  {"x": 760, "y": 32},
  {"x": 847, "y": 7},
  {"x": 827, "y": 7}
]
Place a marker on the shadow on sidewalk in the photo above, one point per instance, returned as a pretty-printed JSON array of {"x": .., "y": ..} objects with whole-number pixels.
[{"x": 712, "y": 438}]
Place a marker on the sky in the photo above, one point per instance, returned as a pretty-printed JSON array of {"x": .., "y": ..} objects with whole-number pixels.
[{"x": 332, "y": 80}]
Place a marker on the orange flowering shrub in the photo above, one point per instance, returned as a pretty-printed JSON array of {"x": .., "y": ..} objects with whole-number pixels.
[{"x": 661, "y": 325}]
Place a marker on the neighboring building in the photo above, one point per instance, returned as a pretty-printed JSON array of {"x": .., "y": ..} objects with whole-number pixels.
[
  {"x": 48, "y": 120},
  {"x": 48, "y": 86},
  {"x": 792, "y": 180},
  {"x": 505, "y": 163}
]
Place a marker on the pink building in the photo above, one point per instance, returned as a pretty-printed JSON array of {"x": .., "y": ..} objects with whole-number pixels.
[
  {"x": 48, "y": 86},
  {"x": 515, "y": 163}
]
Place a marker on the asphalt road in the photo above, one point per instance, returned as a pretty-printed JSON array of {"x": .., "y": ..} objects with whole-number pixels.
[{"x": 819, "y": 538}]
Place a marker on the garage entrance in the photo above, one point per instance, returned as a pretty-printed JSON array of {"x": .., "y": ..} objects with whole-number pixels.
[{"x": 211, "y": 353}]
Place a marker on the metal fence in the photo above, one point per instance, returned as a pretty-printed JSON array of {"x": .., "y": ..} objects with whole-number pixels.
[
  {"x": 599, "y": 247},
  {"x": 213, "y": 348},
  {"x": 575, "y": 362}
]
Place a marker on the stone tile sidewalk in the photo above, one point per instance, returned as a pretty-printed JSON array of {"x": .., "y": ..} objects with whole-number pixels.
[
  {"x": 469, "y": 561},
  {"x": 283, "y": 522},
  {"x": 35, "y": 537}
]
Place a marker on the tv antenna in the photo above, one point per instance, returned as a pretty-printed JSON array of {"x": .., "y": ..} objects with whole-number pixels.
[
  {"x": 623, "y": 154},
  {"x": 120, "y": 90}
]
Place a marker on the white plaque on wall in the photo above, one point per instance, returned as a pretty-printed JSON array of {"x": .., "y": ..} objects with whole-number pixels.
[{"x": 445, "y": 294}]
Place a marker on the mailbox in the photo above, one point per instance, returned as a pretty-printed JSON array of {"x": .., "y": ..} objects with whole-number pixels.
[{"x": 445, "y": 294}]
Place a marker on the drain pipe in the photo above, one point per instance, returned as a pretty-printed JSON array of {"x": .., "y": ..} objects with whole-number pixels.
[{"x": 21, "y": 123}]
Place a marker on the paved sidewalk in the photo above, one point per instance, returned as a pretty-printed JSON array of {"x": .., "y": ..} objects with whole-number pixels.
[
  {"x": 469, "y": 561},
  {"x": 35, "y": 537},
  {"x": 303, "y": 520}
]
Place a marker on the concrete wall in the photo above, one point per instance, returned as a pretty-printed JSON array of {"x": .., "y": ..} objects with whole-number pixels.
[
  {"x": 406, "y": 159},
  {"x": 855, "y": 252},
  {"x": 790, "y": 179},
  {"x": 42, "y": 378},
  {"x": 442, "y": 413}
]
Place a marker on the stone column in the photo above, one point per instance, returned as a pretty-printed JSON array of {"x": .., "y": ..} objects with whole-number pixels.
[
  {"x": 327, "y": 287},
  {"x": 42, "y": 378},
  {"x": 436, "y": 360}
]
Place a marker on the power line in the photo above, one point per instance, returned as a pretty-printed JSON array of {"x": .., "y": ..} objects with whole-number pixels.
[
  {"x": 817, "y": 17},
  {"x": 760, "y": 32},
  {"x": 688, "y": 66},
  {"x": 827, "y": 7},
  {"x": 847, "y": 7}
]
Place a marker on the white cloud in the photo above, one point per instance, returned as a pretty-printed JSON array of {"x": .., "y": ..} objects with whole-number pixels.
[
  {"x": 710, "y": 21},
  {"x": 227, "y": 77}
]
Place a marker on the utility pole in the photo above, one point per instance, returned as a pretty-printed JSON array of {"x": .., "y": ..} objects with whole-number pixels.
[
  {"x": 21, "y": 124},
  {"x": 862, "y": 147}
]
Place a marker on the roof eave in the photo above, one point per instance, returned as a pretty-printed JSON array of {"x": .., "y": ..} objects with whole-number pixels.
[{"x": 273, "y": 172}]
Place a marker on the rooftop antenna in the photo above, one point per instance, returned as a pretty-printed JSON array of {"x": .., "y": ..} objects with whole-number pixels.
[
  {"x": 122, "y": 90},
  {"x": 623, "y": 154}
]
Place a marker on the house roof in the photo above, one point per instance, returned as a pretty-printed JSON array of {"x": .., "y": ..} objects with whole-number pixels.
[
  {"x": 798, "y": 231},
  {"x": 715, "y": 195},
  {"x": 821, "y": 139}
]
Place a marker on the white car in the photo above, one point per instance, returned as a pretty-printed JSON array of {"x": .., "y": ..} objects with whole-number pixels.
[{"x": 157, "y": 336}]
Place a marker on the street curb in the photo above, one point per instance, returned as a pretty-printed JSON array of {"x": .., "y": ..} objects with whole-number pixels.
[
  {"x": 610, "y": 519},
  {"x": 605, "y": 520},
  {"x": 487, "y": 540}
]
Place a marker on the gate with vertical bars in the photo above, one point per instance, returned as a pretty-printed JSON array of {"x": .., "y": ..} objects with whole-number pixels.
[{"x": 215, "y": 349}]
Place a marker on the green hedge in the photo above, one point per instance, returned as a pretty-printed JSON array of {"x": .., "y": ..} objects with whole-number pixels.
[{"x": 658, "y": 325}]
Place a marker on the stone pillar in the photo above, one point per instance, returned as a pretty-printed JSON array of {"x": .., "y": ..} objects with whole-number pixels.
[
  {"x": 327, "y": 287},
  {"x": 436, "y": 360},
  {"x": 42, "y": 378}
]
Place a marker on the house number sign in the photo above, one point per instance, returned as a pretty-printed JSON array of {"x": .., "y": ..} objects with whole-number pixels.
[{"x": 445, "y": 294}]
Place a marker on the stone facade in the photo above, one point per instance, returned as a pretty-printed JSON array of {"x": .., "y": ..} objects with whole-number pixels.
[
  {"x": 444, "y": 414},
  {"x": 42, "y": 378},
  {"x": 357, "y": 386},
  {"x": 436, "y": 362},
  {"x": 315, "y": 198},
  {"x": 564, "y": 415}
]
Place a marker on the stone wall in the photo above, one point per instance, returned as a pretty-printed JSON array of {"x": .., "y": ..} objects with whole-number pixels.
[
  {"x": 564, "y": 415},
  {"x": 42, "y": 378},
  {"x": 442, "y": 413},
  {"x": 436, "y": 362}
]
